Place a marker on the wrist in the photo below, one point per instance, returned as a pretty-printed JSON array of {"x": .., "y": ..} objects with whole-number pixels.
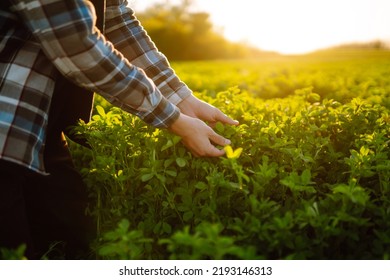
[
  {"x": 177, "y": 125},
  {"x": 182, "y": 125}
]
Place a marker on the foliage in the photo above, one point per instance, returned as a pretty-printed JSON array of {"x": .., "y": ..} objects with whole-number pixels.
[
  {"x": 194, "y": 35},
  {"x": 306, "y": 176},
  {"x": 340, "y": 75},
  {"x": 13, "y": 254}
]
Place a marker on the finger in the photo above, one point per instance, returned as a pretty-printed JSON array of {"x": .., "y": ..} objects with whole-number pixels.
[
  {"x": 214, "y": 152},
  {"x": 221, "y": 117},
  {"x": 207, "y": 150},
  {"x": 218, "y": 139}
]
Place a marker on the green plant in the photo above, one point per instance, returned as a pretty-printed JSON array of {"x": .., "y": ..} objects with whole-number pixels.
[{"x": 309, "y": 179}]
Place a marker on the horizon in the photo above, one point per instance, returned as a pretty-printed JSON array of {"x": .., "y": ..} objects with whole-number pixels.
[{"x": 298, "y": 27}]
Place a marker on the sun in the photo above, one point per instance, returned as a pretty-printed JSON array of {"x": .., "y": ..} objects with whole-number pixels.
[{"x": 271, "y": 26}]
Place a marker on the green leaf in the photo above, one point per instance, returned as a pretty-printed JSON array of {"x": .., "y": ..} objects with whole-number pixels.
[
  {"x": 147, "y": 177},
  {"x": 188, "y": 216},
  {"x": 306, "y": 177},
  {"x": 172, "y": 173},
  {"x": 181, "y": 162},
  {"x": 167, "y": 145},
  {"x": 100, "y": 110},
  {"x": 219, "y": 127},
  {"x": 166, "y": 228},
  {"x": 168, "y": 162}
]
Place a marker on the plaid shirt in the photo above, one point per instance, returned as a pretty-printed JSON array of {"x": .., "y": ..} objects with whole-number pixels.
[{"x": 40, "y": 40}]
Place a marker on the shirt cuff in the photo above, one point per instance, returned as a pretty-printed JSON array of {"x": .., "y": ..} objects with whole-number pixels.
[
  {"x": 163, "y": 115},
  {"x": 180, "y": 95}
]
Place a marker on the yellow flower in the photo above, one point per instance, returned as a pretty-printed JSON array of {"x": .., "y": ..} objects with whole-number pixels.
[{"x": 232, "y": 154}]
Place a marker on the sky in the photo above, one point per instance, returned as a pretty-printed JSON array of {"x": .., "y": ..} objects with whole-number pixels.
[{"x": 295, "y": 26}]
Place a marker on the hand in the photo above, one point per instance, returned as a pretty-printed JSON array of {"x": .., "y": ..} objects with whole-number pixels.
[
  {"x": 193, "y": 107},
  {"x": 198, "y": 136}
]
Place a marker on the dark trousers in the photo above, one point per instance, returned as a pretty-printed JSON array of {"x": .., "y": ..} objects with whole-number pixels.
[{"x": 47, "y": 213}]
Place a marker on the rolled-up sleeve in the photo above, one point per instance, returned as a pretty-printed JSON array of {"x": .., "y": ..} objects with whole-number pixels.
[
  {"x": 129, "y": 37},
  {"x": 68, "y": 36}
]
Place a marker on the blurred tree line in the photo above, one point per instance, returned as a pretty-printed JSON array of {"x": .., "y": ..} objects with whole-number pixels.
[
  {"x": 372, "y": 45},
  {"x": 185, "y": 35}
]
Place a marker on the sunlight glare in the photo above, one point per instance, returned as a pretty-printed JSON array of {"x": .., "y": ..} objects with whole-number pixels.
[
  {"x": 296, "y": 26},
  {"x": 300, "y": 26}
]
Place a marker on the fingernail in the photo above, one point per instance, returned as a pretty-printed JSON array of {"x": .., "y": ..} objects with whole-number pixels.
[{"x": 227, "y": 142}]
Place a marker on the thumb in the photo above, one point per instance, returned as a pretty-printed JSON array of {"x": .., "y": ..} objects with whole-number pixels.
[{"x": 218, "y": 139}]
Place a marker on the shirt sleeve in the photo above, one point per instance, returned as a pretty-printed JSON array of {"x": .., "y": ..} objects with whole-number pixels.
[
  {"x": 67, "y": 34},
  {"x": 127, "y": 34}
]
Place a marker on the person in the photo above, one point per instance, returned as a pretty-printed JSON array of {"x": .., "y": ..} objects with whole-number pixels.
[{"x": 53, "y": 55}]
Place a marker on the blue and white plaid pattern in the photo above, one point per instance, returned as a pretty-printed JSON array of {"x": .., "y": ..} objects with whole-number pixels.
[{"x": 40, "y": 39}]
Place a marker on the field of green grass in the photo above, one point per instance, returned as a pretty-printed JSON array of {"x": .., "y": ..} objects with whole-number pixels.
[{"x": 312, "y": 180}]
